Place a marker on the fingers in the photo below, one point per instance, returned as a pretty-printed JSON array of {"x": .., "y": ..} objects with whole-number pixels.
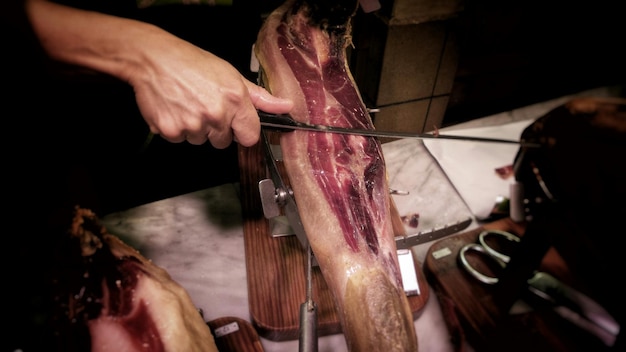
[
  {"x": 265, "y": 101},
  {"x": 237, "y": 121},
  {"x": 246, "y": 125},
  {"x": 217, "y": 140},
  {"x": 247, "y": 128},
  {"x": 173, "y": 131},
  {"x": 172, "y": 137},
  {"x": 220, "y": 139},
  {"x": 197, "y": 139},
  {"x": 219, "y": 136}
]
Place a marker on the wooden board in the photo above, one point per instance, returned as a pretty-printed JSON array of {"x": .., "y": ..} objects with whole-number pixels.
[
  {"x": 472, "y": 314},
  {"x": 276, "y": 267},
  {"x": 234, "y": 334}
]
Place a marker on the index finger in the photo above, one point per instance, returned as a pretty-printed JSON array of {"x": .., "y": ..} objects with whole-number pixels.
[{"x": 263, "y": 100}]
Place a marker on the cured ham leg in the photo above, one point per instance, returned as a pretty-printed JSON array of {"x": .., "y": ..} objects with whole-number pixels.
[
  {"x": 339, "y": 181},
  {"x": 124, "y": 302}
]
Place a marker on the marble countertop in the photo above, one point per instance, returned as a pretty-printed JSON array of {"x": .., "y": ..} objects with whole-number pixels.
[{"x": 198, "y": 237}]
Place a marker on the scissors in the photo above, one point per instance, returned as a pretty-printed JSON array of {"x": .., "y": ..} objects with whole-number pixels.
[
  {"x": 567, "y": 301},
  {"x": 482, "y": 247}
]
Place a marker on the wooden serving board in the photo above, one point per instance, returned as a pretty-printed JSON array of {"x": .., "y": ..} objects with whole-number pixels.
[
  {"x": 234, "y": 334},
  {"x": 276, "y": 266},
  {"x": 471, "y": 311}
]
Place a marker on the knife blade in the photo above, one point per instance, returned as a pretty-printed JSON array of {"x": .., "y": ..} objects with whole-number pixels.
[
  {"x": 575, "y": 306},
  {"x": 285, "y": 123},
  {"x": 408, "y": 241}
]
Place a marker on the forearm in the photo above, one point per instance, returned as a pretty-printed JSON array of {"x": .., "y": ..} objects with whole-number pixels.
[
  {"x": 182, "y": 91},
  {"x": 105, "y": 43}
]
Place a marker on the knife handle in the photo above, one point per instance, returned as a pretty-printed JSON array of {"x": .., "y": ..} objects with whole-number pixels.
[{"x": 277, "y": 122}]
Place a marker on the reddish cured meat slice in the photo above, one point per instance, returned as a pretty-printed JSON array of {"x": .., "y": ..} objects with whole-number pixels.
[
  {"x": 505, "y": 171},
  {"x": 122, "y": 301},
  {"x": 339, "y": 181}
]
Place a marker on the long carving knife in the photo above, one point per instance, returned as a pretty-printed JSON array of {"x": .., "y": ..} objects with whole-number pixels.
[
  {"x": 285, "y": 123},
  {"x": 408, "y": 241}
]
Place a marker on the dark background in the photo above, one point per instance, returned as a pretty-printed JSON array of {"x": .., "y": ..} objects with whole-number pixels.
[{"x": 516, "y": 53}]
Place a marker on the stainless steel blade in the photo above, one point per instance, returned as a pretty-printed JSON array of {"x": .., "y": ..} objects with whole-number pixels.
[
  {"x": 404, "y": 242},
  {"x": 284, "y": 122},
  {"x": 561, "y": 295}
]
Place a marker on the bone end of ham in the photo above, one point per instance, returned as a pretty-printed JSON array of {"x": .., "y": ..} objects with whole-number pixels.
[
  {"x": 383, "y": 325},
  {"x": 339, "y": 182},
  {"x": 127, "y": 302}
]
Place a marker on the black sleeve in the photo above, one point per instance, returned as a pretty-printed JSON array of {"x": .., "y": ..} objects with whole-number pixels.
[{"x": 15, "y": 23}]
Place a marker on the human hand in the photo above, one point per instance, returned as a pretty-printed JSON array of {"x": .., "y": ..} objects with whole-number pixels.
[
  {"x": 183, "y": 91},
  {"x": 186, "y": 93}
]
